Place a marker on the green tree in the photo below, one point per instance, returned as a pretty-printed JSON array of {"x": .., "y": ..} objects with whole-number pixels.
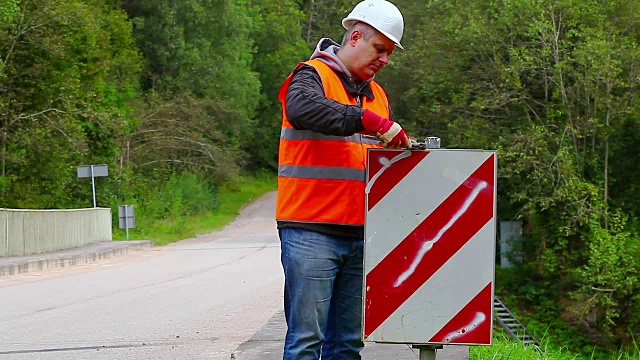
[
  {"x": 550, "y": 85},
  {"x": 323, "y": 19},
  {"x": 279, "y": 46},
  {"x": 201, "y": 91},
  {"x": 9, "y": 12},
  {"x": 70, "y": 67}
]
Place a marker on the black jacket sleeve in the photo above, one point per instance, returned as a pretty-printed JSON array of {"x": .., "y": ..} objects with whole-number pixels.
[{"x": 308, "y": 109}]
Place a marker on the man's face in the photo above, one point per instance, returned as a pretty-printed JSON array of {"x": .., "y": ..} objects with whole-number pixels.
[{"x": 372, "y": 55}]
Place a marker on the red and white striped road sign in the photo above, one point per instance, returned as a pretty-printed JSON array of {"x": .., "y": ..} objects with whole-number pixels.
[{"x": 430, "y": 246}]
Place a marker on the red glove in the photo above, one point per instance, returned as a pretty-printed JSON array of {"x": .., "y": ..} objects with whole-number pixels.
[{"x": 390, "y": 133}]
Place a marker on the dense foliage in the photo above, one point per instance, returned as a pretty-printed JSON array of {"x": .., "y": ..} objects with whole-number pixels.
[
  {"x": 552, "y": 86},
  {"x": 178, "y": 97}
]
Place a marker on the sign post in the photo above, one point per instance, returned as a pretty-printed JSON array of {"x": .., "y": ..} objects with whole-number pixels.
[
  {"x": 126, "y": 218},
  {"x": 429, "y": 248},
  {"x": 93, "y": 171}
]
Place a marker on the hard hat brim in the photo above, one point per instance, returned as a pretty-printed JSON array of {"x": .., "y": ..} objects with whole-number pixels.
[{"x": 348, "y": 22}]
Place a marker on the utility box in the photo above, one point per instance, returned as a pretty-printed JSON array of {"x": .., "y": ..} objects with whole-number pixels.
[
  {"x": 510, "y": 242},
  {"x": 429, "y": 257}
]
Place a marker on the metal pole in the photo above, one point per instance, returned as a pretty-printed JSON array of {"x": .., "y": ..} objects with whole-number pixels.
[
  {"x": 126, "y": 220},
  {"x": 93, "y": 187},
  {"x": 427, "y": 352},
  {"x": 6, "y": 237}
]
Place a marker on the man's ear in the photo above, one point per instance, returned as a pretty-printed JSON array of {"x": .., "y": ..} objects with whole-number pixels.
[{"x": 354, "y": 37}]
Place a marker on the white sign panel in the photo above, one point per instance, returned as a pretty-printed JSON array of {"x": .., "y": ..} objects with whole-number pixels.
[{"x": 96, "y": 170}]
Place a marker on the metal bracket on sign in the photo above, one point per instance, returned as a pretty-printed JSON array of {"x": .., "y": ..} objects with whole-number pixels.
[{"x": 430, "y": 142}]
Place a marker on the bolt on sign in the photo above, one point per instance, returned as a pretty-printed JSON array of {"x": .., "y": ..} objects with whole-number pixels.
[{"x": 430, "y": 235}]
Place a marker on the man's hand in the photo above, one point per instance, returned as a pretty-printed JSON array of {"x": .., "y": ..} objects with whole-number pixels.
[{"x": 390, "y": 133}]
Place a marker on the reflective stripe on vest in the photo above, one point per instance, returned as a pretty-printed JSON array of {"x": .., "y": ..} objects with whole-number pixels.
[
  {"x": 293, "y": 134},
  {"x": 321, "y": 178},
  {"x": 321, "y": 172}
]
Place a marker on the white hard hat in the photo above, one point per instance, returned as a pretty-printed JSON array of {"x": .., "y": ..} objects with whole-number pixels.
[{"x": 381, "y": 15}]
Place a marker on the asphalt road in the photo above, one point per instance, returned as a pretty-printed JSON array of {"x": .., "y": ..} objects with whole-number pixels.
[{"x": 197, "y": 299}]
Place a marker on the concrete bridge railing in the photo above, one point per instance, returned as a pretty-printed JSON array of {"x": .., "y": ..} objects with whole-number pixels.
[{"x": 24, "y": 232}]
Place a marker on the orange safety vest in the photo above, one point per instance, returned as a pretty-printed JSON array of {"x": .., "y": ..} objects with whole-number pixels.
[{"x": 321, "y": 178}]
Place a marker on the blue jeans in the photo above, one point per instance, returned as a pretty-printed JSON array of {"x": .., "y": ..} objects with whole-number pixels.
[{"x": 322, "y": 295}]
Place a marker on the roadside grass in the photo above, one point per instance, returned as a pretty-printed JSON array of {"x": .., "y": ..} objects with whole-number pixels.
[
  {"x": 232, "y": 197},
  {"x": 504, "y": 348}
]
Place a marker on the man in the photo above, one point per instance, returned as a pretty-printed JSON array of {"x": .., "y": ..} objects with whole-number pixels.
[{"x": 328, "y": 103}]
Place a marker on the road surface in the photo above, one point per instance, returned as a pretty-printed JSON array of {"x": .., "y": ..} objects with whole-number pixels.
[{"x": 197, "y": 299}]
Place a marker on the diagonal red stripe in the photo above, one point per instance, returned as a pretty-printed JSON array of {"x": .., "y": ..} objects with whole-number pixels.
[
  {"x": 472, "y": 325},
  {"x": 450, "y": 225},
  {"x": 388, "y": 179}
]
